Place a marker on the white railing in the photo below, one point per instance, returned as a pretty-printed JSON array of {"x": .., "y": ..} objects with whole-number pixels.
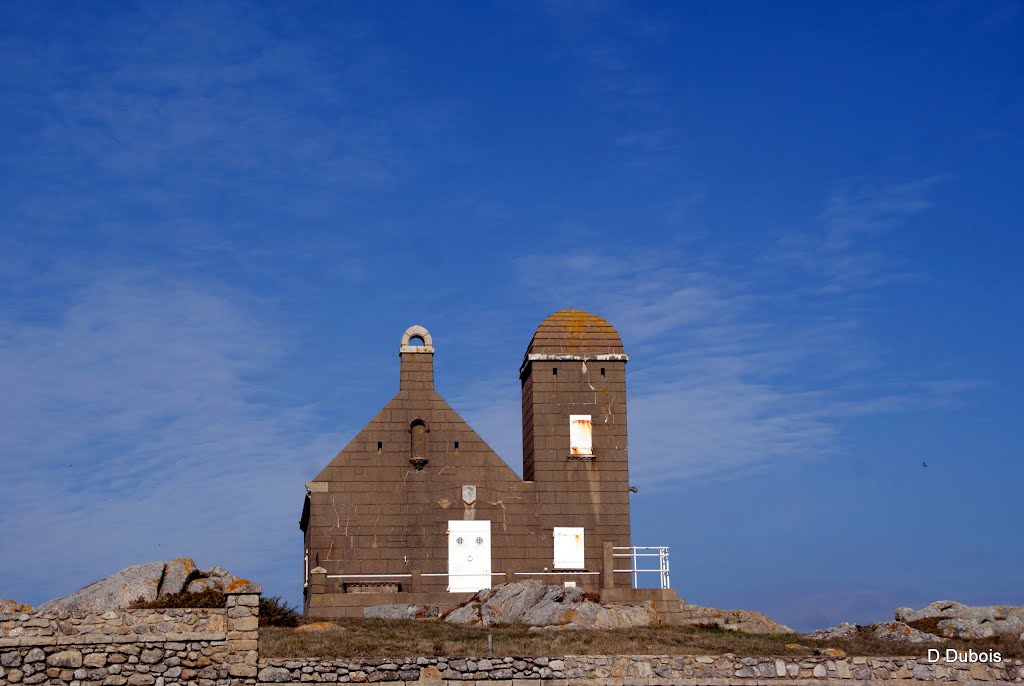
[
  {"x": 369, "y": 576},
  {"x": 634, "y": 569},
  {"x": 554, "y": 573},
  {"x": 409, "y": 576}
]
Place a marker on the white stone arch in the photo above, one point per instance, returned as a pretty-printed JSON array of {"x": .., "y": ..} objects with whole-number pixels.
[{"x": 416, "y": 330}]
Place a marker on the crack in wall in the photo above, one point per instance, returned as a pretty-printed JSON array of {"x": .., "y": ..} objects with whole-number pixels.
[{"x": 501, "y": 503}]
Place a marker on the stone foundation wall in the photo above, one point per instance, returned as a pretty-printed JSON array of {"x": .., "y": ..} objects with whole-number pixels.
[
  {"x": 198, "y": 647},
  {"x": 634, "y": 670}
]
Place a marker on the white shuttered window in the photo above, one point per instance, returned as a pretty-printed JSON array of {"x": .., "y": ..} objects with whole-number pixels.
[
  {"x": 569, "y": 547},
  {"x": 581, "y": 430}
]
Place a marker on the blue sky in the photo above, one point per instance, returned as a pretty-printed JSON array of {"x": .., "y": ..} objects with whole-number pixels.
[{"x": 217, "y": 219}]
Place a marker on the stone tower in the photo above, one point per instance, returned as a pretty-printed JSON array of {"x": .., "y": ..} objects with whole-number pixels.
[{"x": 574, "y": 425}]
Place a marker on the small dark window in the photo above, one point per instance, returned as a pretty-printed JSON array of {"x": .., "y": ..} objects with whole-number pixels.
[
  {"x": 417, "y": 439},
  {"x": 554, "y": 371},
  {"x": 456, "y": 446},
  {"x": 602, "y": 371},
  {"x": 380, "y": 446}
]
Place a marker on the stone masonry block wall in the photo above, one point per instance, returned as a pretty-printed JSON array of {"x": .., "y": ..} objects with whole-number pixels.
[
  {"x": 634, "y": 670},
  {"x": 198, "y": 647}
]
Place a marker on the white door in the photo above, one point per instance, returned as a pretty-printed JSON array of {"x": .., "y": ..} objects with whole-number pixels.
[
  {"x": 469, "y": 555},
  {"x": 569, "y": 547}
]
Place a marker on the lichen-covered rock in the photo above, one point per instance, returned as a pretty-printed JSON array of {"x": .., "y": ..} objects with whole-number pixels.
[
  {"x": 940, "y": 608},
  {"x": 400, "y": 611},
  {"x": 514, "y": 600},
  {"x": 176, "y": 575},
  {"x": 204, "y": 584},
  {"x": 147, "y": 581},
  {"x": 115, "y": 591},
  {"x": 536, "y": 604},
  {"x": 969, "y": 629},
  {"x": 625, "y": 616},
  {"x": 216, "y": 578},
  {"x": 468, "y": 614},
  {"x": 899, "y": 631},
  {"x": 968, "y": 622},
  {"x": 8, "y": 606},
  {"x": 744, "y": 621},
  {"x": 844, "y": 630}
]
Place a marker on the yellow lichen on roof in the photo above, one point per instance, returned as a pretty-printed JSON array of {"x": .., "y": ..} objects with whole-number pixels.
[{"x": 575, "y": 332}]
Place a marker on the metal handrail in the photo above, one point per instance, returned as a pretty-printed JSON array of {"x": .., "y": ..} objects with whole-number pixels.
[
  {"x": 634, "y": 569},
  {"x": 663, "y": 566},
  {"x": 552, "y": 573},
  {"x": 447, "y": 574},
  {"x": 369, "y": 576}
]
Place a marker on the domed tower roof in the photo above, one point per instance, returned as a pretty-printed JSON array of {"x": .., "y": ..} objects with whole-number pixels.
[{"x": 576, "y": 334}]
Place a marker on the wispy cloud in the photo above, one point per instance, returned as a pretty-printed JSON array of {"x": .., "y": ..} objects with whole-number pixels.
[
  {"x": 644, "y": 126},
  {"x": 137, "y": 425},
  {"x": 756, "y": 371},
  {"x": 201, "y": 129},
  {"x": 843, "y": 247},
  {"x": 853, "y": 211}
]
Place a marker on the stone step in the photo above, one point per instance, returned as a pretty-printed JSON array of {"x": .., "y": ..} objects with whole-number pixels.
[{"x": 668, "y": 606}]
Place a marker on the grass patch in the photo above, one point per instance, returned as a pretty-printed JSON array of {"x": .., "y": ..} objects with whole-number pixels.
[{"x": 402, "y": 638}]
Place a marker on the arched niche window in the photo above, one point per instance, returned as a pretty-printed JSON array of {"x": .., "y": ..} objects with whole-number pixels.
[
  {"x": 417, "y": 341},
  {"x": 418, "y": 438}
]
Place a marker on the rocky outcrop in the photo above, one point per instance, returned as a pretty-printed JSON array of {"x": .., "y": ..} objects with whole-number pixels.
[
  {"x": 967, "y": 622},
  {"x": 936, "y": 622},
  {"x": 216, "y": 578},
  {"x": 176, "y": 575},
  {"x": 940, "y": 608},
  {"x": 745, "y": 621},
  {"x": 898, "y": 631},
  {"x": 115, "y": 591},
  {"x": 845, "y": 630},
  {"x": 885, "y": 631},
  {"x": 539, "y": 605},
  {"x": 9, "y": 606},
  {"x": 146, "y": 582}
]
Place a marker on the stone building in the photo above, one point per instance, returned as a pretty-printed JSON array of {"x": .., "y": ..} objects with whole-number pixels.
[{"x": 418, "y": 508}]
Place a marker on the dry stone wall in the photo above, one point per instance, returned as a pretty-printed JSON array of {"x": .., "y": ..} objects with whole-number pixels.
[
  {"x": 198, "y": 647},
  {"x": 634, "y": 670}
]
